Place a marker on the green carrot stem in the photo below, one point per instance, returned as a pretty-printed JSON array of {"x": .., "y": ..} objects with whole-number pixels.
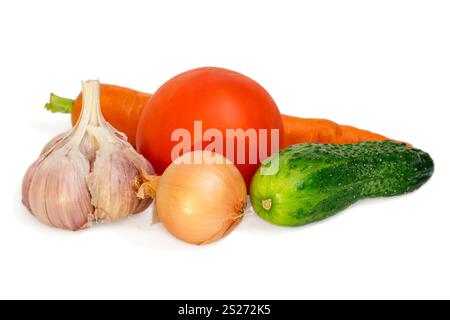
[{"x": 59, "y": 105}]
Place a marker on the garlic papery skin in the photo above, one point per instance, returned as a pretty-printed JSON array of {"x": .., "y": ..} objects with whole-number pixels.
[
  {"x": 116, "y": 162},
  {"x": 58, "y": 194},
  {"x": 86, "y": 174}
]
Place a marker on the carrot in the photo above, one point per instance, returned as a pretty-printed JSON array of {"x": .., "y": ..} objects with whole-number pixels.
[
  {"x": 120, "y": 106},
  {"x": 302, "y": 130}
]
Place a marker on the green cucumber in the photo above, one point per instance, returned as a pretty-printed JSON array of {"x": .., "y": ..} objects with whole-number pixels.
[{"x": 315, "y": 181}]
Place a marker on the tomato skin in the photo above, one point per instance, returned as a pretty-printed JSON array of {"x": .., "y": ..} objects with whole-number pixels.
[{"x": 220, "y": 98}]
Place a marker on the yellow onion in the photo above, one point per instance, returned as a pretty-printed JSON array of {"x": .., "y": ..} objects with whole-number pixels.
[{"x": 200, "y": 198}]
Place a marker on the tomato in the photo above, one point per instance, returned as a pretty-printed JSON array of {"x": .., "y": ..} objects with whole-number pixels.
[{"x": 217, "y": 99}]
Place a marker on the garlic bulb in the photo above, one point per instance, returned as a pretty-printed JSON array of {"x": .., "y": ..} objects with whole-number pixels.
[{"x": 86, "y": 174}]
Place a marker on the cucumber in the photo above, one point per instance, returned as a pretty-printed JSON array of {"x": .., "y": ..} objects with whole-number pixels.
[{"x": 315, "y": 181}]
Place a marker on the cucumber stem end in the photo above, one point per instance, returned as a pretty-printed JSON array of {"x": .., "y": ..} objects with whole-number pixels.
[{"x": 267, "y": 204}]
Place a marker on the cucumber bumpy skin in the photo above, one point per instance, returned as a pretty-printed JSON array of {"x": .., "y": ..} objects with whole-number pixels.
[{"x": 315, "y": 181}]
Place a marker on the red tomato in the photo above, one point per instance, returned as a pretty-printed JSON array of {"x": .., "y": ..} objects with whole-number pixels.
[{"x": 221, "y": 99}]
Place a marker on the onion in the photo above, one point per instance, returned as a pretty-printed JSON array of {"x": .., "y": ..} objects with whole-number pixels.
[{"x": 198, "y": 202}]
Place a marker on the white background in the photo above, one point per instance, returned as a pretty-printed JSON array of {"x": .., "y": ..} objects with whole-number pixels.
[{"x": 379, "y": 65}]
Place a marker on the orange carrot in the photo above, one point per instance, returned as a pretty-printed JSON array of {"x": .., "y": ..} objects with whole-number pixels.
[
  {"x": 120, "y": 106},
  {"x": 301, "y": 130}
]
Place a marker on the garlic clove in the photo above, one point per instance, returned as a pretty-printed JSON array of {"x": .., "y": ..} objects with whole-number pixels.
[
  {"x": 88, "y": 147},
  {"x": 111, "y": 182},
  {"x": 58, "y": 193},
  {"x": 26, "y": 182}
]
